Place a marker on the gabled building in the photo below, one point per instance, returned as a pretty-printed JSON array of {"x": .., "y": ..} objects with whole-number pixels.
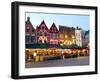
[
  {"x": 54, "y": 33},
  {"x": 29, "y": 32},
  {"x": 42, "y": 33}
]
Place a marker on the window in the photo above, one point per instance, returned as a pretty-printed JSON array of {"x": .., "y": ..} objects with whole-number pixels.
[
  {"x": 40, "y": 33},
  {"x": 73, "y": 36},
  {"x": 27, "y": 29},
  {"x": 43, "y": 26},
  {"x": 66, "y": 36},
  {"x": 32, "y": 39},
  {"x": 33, "y": 30},
  {"x": 40, "y": 41},
  {"x": 45, "y": 34},
  {"x": 55, "y": 30},
  {"x": 27, "y": 38},
  {"x": 51, "y": 35},
  {"x": 54, "y": 36},
  {"x": 45, "y": 41},
  {"x": 61, "y": 35}
]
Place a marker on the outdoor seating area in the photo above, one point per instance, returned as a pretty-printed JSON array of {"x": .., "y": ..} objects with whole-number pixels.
[{"x": 39, "y": 55}]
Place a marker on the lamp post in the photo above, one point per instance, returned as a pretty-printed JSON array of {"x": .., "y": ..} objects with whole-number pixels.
[
  {"x": 29, "y": 58},
  {"x": 63, "y": 55},
  {"x": 78, "y": 53},
  {"x": 34, "y": 56}
]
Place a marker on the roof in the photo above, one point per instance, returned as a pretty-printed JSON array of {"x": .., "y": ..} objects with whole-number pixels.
[
  {"x": 40, "y": 26},
  {"x": 28, "y": 23}
]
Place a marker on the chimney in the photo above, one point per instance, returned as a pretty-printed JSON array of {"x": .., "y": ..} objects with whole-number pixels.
[{"x": 28, "y": 18}]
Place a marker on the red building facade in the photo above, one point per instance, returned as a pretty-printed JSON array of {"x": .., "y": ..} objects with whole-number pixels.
[
  {"x": 54, "y": 33},
  {"x": 42, "y": 33}
]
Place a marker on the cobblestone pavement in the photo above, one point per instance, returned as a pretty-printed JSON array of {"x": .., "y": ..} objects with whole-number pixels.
[{"x": 60, "y": 62}]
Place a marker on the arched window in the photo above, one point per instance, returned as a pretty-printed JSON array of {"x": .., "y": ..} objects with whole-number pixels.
[
  {"x": 27, "y": 29},
  {"x": 40, "y": 41},
  {"x": 45, "y": 41}
]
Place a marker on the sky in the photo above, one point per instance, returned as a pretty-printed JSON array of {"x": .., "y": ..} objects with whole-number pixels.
[{"x": 70, "y": 20}]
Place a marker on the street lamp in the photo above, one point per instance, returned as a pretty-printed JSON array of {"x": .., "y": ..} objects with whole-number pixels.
[
  {"x": 73, "y": 36},
  {"x": 66, "y": 36},
  {"x": 63, "y": 55},
  {"x": 61, "y": 44},
  {"x": 78, "y": 52},
  {"x": 29, "y": 58},
  {"x": 34, "y": 54},
  {"x": 64, "y": 43}
]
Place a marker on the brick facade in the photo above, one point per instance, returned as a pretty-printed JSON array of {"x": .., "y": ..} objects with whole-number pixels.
[
  {"x": 42, "y": 33},
  {"x": 54, "y": 33},
  {"x": 29, "y": 32}
]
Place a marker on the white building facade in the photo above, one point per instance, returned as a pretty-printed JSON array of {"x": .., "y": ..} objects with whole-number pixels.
[{"x": 78, "y": 36}]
